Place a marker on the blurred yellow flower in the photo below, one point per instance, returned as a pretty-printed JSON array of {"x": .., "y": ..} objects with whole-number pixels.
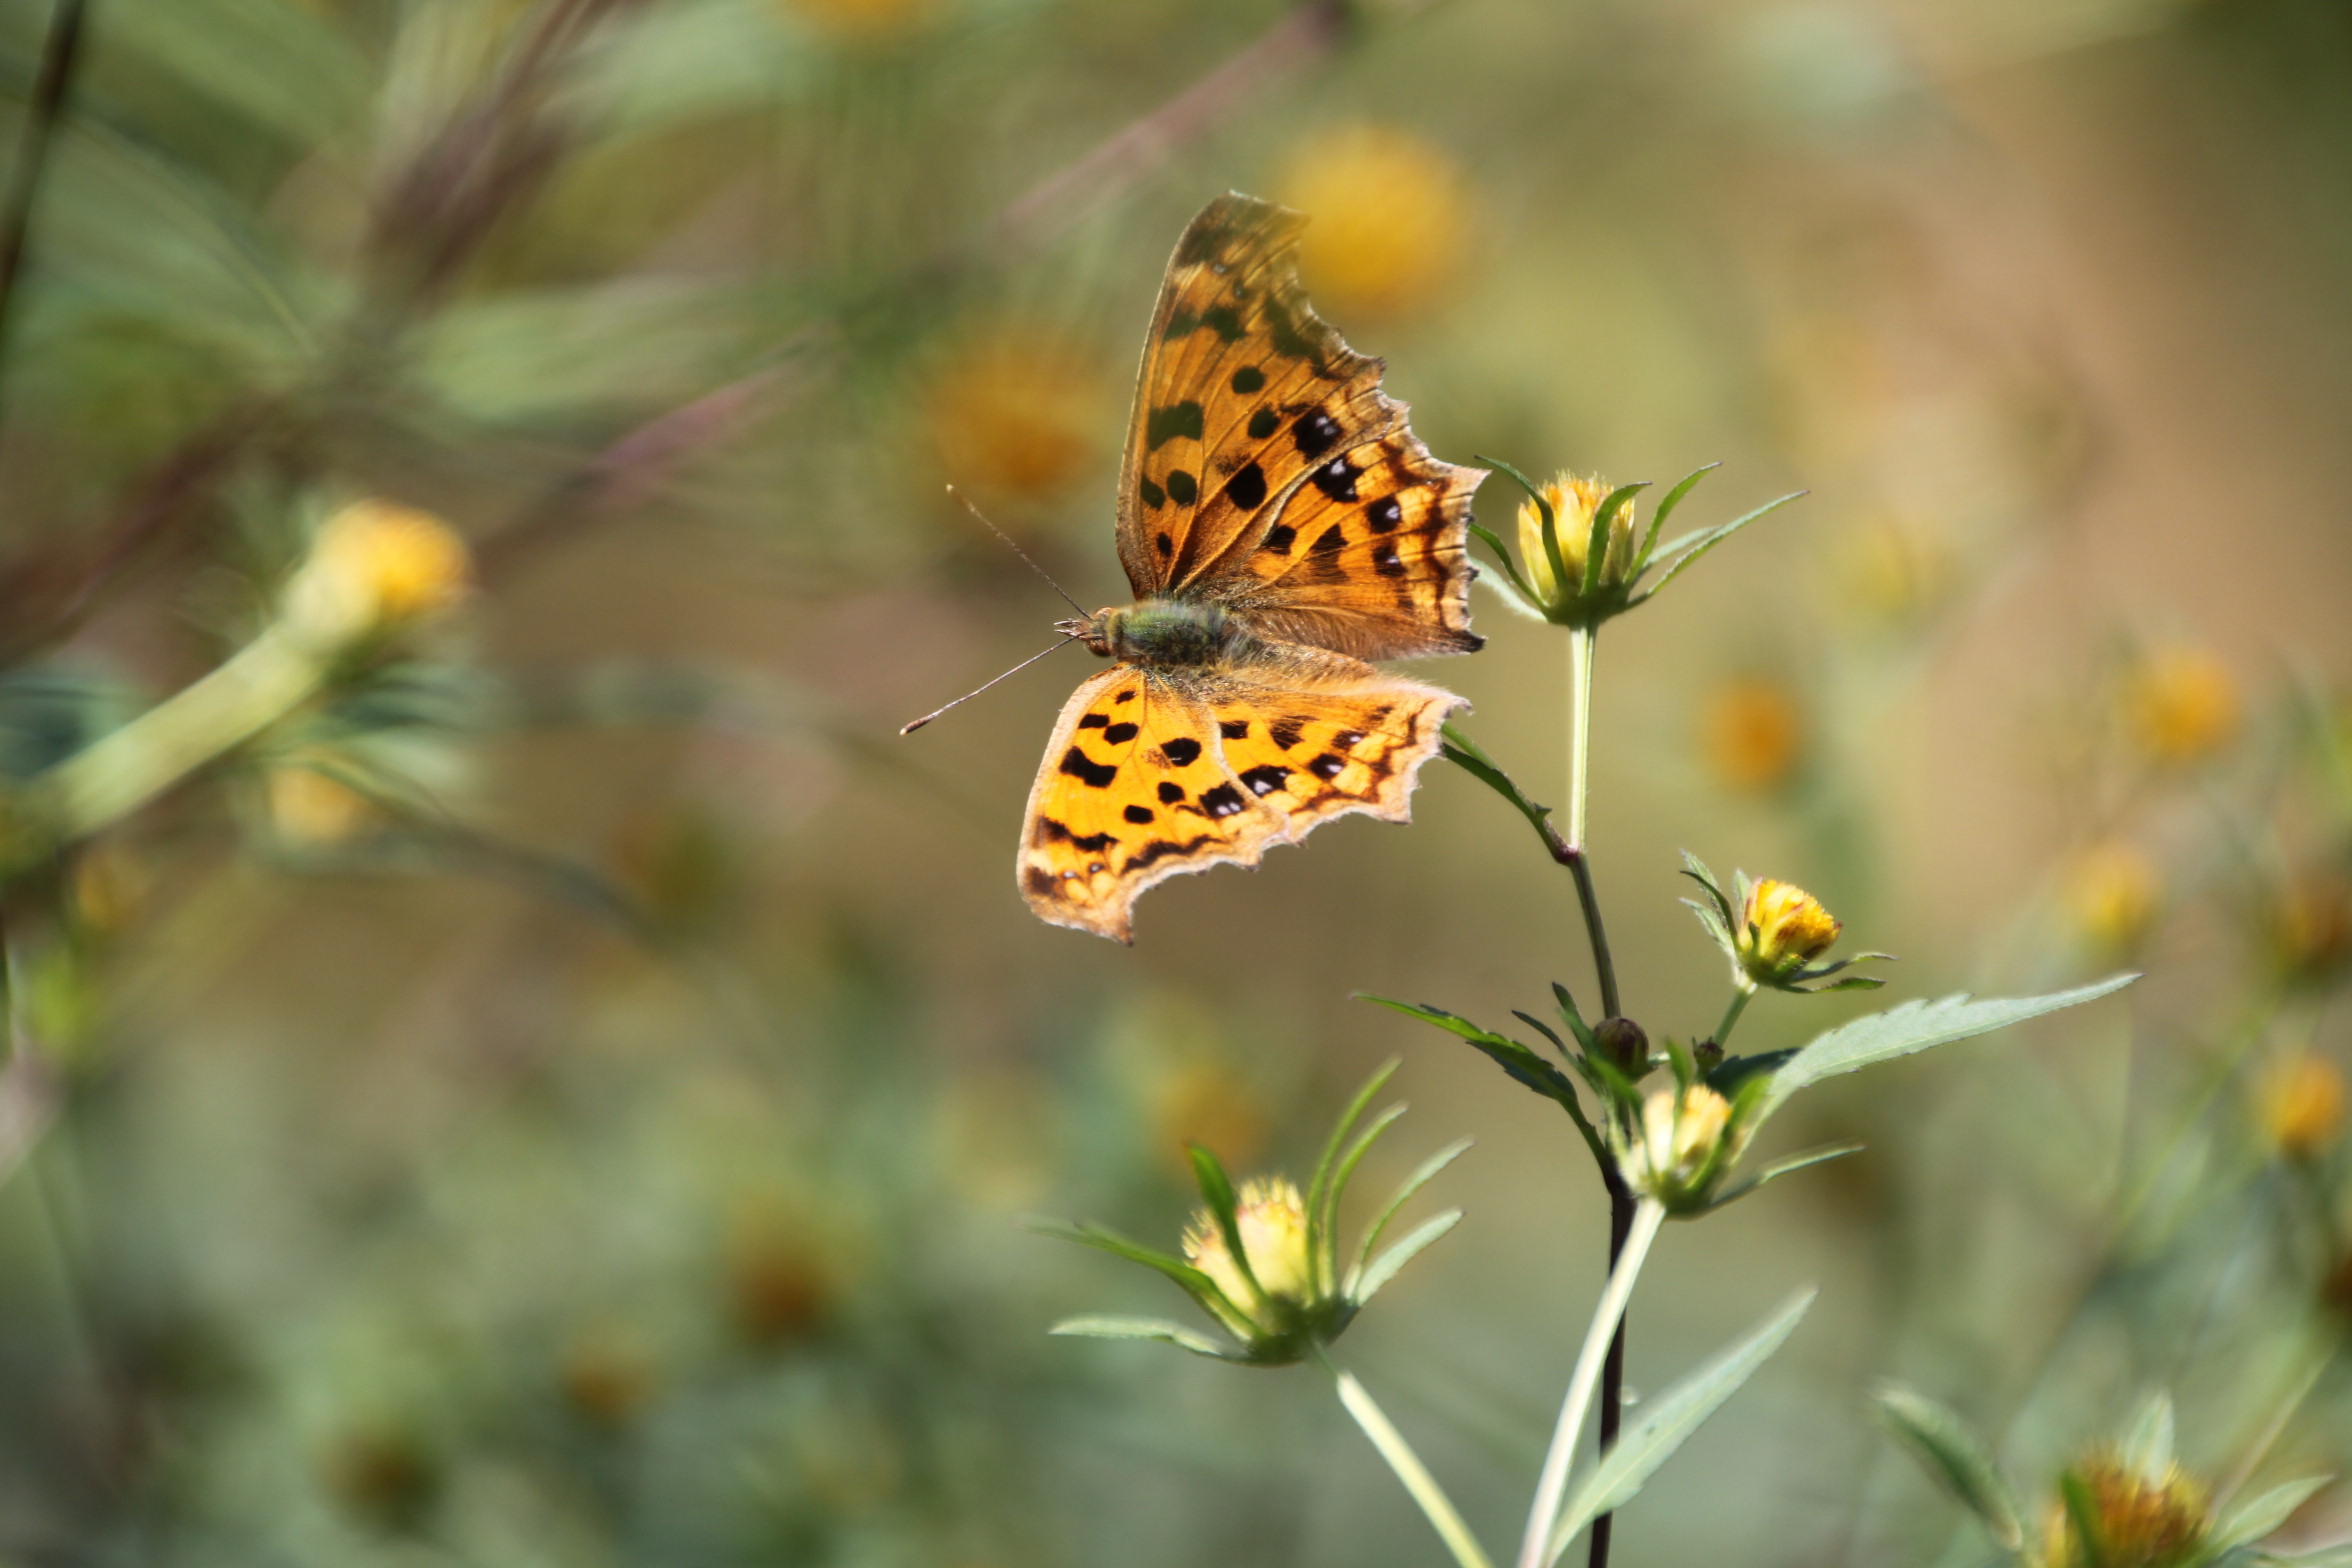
[
  {"x": 1205, "y": 1101},
  {"x": 866, "y": 21},
  {"x": 374, "y": 566},
  {"x": 1017, "y": 412},
  {"x": 1892, "y": 572},
  {"x": 778, "y": 1287},
  {"x": 1389, "y": 213},
  {"x": 1271, "y": 1219},
  {"x": 1752, "y": 732},
  {"x": 2182, "y": 704},
  {"x": 2111, "y": 892},
  {"x": 2311, "y": 928},
  {"x": 1783, "y": 928},
  {"x": 310, "y": 810},
  {"x": 2300, "y": 1104},
  {"x": 1573, "y": 501},
  {"x": 2142, "y": 1522},
  {"x": 606, "y": 1376}
]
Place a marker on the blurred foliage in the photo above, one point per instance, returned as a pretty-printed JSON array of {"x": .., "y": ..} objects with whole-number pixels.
[{"x": 562, "y": 1088}]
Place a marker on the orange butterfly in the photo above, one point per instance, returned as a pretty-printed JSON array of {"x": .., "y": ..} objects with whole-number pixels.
[{"x": 1280, "y": 525}]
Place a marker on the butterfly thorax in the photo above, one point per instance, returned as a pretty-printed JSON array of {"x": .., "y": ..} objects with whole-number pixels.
[{"x": 1161, "y": 631}]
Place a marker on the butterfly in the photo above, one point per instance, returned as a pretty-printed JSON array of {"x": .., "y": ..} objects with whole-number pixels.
[{"x": 1280, "y": 525}]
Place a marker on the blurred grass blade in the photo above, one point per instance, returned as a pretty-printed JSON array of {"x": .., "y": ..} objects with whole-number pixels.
[
  {"x": 1668, "y": 1422},
  {"x": 1935, "y": 1436},
  {"x": 1916, "y": 1026}
]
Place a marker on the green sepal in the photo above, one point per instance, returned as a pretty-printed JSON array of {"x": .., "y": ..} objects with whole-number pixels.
[
  {"x": 1542, "y": 1028},
  {"x": 1422, "y": 1175},
  {"x": 1953, "y": 1458},
  {"x": 1106, "y": 1326},
  {"x": 1216, "y": 1190},
  {"x": 1665, "y": 509},
  {"x": 1573, "y": 1015},
  {"x": 1364, "y": 1283},
  {"x": 1596, "y": 542},
  {"x": 1774, "y": 1170},
  {"x": 1320, "y": 1242},
  {"x": 1528, "y": 599},
  {"x": 2082, "y": 1514},
  {"x": 1696, "y": 545},
  {"x": 1202, "y": 1289},
  {"x": 1346, "y": 1170},
  {"x": 2258, "y": 1516}
]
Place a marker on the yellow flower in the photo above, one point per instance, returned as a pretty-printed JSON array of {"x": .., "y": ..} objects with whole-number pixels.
[
  {"x": 2142, "y": 1522},
  {"x": 1681, "y": 1129},
  {"x": 1271, "y": 1219},
  {"x": 1893, "y": 572},
  {"x": 310, "y": 810},
  {"x": 1782, "y": 929},
  {"x": 1574, "y": 500},
  {"x": 2182, "y": 704},
  {"x": 1017, "y": 412},
  {"x": 2111, "y": 892},
  {"x": 1389, "y": 215},
  {"x": 1753, "y": 731},
  {"x": 2311, "y": 928},
  {"x": 2300, "y": 1104},
  {"x": 374, "y": 566}
]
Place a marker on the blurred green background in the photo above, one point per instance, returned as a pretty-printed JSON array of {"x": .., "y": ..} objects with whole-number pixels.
[{"x": 569, "y": 1096}]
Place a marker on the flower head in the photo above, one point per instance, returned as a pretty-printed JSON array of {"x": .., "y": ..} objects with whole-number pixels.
[
  {"x": 1686, "y": 1141},
  {"x": 2300, "y": 1106},
  {"x": 374, "y": 567},
  {"x": 1388, "y": 211},
  {"x": 2111, "y": 892},
  {"x": 1015, "y": 412},
  {"x": 1753, "y": 735},
  {"x": 1264, "y": 1260},
  {"x": 2182, "y": 704},
  {"x": 1574, "y": 501},
  {"x": 2141, "y": 1519},
  {"x": 1773, "y": 932}
]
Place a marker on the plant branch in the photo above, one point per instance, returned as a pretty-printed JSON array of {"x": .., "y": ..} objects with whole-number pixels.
[
  {"x": 60, "y": 52},
  {"x": 1622, "y": 1213},
  {"x": 1553, "y": 1484}
]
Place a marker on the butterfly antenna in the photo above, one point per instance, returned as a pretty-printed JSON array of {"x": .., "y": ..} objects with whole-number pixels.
[
  {"x": 1024, "y": 555},
  {"x": 909, "y": 729}
]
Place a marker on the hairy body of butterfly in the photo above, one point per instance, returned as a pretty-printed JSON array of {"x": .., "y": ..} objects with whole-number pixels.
[{"x": 1280, "y": 526}]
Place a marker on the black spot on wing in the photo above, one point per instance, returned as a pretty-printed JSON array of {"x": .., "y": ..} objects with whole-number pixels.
[
  {"x": 1248, "y": 379},
  {"x": 1279, "y": 539},
  {"x": 1050, "y": 831},
  {"x": 1327, "y": 767},
  {"x": 1223, "y": 801},
  {"x": 1161, "y": 848},
  {"x": 1164, "y": 544},
  {"x": 1247, "y": 489},
  {"x": 1168, "y": 424},
  {"x": 1182, "y": 752},
  {"x": 1094, "y": 721},
  {"x": 1315, "y": 433},
  {"x": 1285, "y": 732},
  {"x": 1183, "y": 487},
  {"x": 1337, "y": 479},
  {"x": 1139, "y": 814},
  {"x": 1384, "y": 514},
  {"x": 1329, "y": 542},
  {"x": 1153, "y": 496},
  {"x": 1126, "y": 696},
  {"x": 1119, "y": 734},
  {"x": 1384, "y": 559},
  {"x": 1170, "y": 793},
  {"x": 1233, "y": 729},
  {"x": 1095, "y": 775},
  {"x": 1265, "y": 779},
  {"x": 1040, "y": 882},
  {"x": 1262, "y": 423}
]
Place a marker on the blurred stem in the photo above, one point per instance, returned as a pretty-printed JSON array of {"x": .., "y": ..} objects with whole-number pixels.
[
  {"x": 60, "y": 52},
  {"x": 125, "y": 768},
  {"x": 1415, "y": 1476},
  {"x": 1553, "y": 1484},
  {"x": 1731, "y": 1014}
]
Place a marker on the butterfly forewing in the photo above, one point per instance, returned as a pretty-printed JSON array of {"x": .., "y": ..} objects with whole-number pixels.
[{"x": 1243, "y": 390}]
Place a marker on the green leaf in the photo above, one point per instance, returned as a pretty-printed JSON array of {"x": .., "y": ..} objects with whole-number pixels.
[
  {"x": 1142, "y": 1328},
  {"x": 1665, "y": 510},
  {"x": 1667, "y": 1422},
  {"x": 1916, "y": 1026},
  {"x": 1542, "y": 1028},
  {"x": 1366, "y": 1282},
  {"x": 1421, "y": 1177},
  {"x": 1463, "y": 753},
  {"x": 2257, "y": 1517},
  {"x": 1953, "y": 1458},
  {"x": 1317, "y": 1240},
  {"x": 1733, "y": 1072},
  {"x": 1520, "y": 1061},
  {"x": 1195, "y": 1284},
  {"x": 2147, "y": 1447},
  {"x": 1702, "y": 543},
  {"x": 1574, "y": 1015}
]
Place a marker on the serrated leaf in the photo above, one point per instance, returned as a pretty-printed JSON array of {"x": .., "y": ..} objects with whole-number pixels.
[
  {"x": 1366, "y": 1282},
  {"x": 1935, "y": 1436},
  {"x": 1667, "y": 1423},
  {"x": 2258, "y": 1516},
  {"x": 1112, "y": 1327},
  {"x": 1916, "y": 1026},
  {"x": 1516, "y": 1059}
]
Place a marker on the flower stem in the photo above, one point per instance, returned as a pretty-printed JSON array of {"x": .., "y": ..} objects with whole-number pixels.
[
  {"x": 1553, "y": 1484},
  {"x": 1731, "y": 1014},
  {"x": 1442, "y": 1514},
  {"x": 1580, "y": 684}
]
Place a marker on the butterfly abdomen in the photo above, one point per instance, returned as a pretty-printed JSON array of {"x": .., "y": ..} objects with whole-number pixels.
[{"x": 1167, "y": 631}]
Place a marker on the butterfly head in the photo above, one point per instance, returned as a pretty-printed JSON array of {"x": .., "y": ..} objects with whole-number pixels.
[{"x": 1157, "y": 631}]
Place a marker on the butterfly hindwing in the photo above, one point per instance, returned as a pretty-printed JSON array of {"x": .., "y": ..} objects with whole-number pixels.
[
  {"x": 1243, "y": 390},
  {"x": 1313, "y": 750}
]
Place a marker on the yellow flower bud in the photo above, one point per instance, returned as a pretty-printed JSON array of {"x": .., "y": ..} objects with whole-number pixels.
[
  {"x": 1681, "y": 1130},
  {"x": 1753, "y": 733},
  {"x": 1782, "y": 929},
  {"x": 1574, "y": 500},
  {"x": 2183, "y": 705},
  {"x": 2142, "y": 1522},
  {"x": 1271, "y": 1219},
  {"x": 1388, "y": 213},
  {"x": 2111, "y": 893},
  {"x": 2300, "y": 1105},
  {"x": 375, "y": 566}
]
